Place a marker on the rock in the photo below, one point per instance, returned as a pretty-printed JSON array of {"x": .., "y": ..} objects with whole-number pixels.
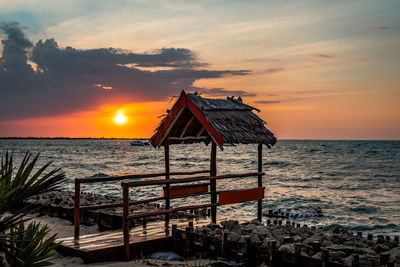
[
  {"x": 342, "y": 248},
  {"x": 317, "y": 255},
  {"x": 255, "y": 222},
  {"x": 288, "y": 248},
  {"x": 361, "y": 251},
  {"x": 381, "y": 248},
  {"x": 368, "y": 260},
  {"x": 395, "y": 254},
  {"x": 231, "y": 225},
  {"x": 336, "y": 255},
  {"x": 255, "y": 238}
]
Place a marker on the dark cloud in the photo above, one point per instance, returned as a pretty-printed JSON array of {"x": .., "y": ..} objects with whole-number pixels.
[
  {"x": 267, "y": 101},
  {"x": 272, "y": 70},
  {"x": 221, "y": 92},
  {"x": 43, "y": 79},
  {"x": 324, "y": 56},
  {"x": 379, "y": 28}
]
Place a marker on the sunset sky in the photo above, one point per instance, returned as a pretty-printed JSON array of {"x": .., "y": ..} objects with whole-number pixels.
[{"x": 315, "y": 69}]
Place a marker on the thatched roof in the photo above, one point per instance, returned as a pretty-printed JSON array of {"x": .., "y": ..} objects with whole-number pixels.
[{"x": 197, "y": 119}]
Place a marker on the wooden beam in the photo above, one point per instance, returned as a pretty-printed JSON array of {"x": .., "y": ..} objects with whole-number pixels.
[
  {"x": 168, "y": 211},
  {"x": 213, "y": 183},
  {"x": 189, "y": 138},
  {"x": 191, "y": 179},
  {"x": 200, "y": 132},
  {"x": 171, "y": 126},
  {"x": 77, "y": 212},
  {"x": 125, "y": 222},
  {"x": 239, "y": 196},
  {"x": 186, "y": 126},
  {"x": 167, "y": 186},
  {"x": 259, "y": 204},
  {"x": 134, "y": 176}
]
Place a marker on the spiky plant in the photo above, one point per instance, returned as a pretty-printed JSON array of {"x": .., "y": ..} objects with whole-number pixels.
[
  {"x": 8, "y": 222},
  {"x": 33, "y": 249},
  {"x": 17, "y": 184}
]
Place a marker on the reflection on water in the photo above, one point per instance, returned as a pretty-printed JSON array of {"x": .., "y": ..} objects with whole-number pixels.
[{"x": 356, "y": 183}]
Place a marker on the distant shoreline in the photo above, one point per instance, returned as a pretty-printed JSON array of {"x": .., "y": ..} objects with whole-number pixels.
[{"x": 144, "y": 138}]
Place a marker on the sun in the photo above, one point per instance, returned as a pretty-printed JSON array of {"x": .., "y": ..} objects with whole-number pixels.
[{"x": 120, "y": 118}]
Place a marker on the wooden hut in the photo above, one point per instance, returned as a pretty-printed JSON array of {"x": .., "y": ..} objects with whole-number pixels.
[{"x": 195, "y": 119}]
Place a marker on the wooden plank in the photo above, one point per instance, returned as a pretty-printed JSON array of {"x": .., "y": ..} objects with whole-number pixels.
[
  {"x": 133, "y": 176},
  {"x": 187, "y": 190},
  {"x": 213, "y": 183},
  {"x": 186, "y": 127},
  {"x": 162, "y": 212},
  {"x": 239, "y": 196},
  {"x": 169, "y": 121},
  {"x": 259, "y": 169},
  {"x": 167, "y": 186},
  {"x": 191, "y": 179},
  {"x": 125, "y": 223},
  {"x": 77, "y": 212},
  {"x": 215, "y": 135}
]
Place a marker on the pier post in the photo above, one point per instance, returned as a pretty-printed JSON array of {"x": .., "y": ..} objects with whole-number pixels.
[
  {"x": 213, "y": 182},
  {"x": 77, "y": 209},
  {"x": 167, "y": 186},
  {"x": 259, "y": 213},
  {"x": 125, "y": 222}
]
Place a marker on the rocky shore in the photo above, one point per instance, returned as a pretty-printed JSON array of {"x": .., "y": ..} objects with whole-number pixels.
[{"x": 311, "y": 242}]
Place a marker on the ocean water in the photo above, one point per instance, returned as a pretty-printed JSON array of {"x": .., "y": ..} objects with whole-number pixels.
[{"x": 355, "y": 183}]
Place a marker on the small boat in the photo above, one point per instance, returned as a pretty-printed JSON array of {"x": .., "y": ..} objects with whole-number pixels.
[
  {"x": 229, "y": 144},
  {"x": 139, "y": 143}
]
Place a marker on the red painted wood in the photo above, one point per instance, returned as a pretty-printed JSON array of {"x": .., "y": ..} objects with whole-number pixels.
[
  {"x": 179, "y": 104},
  {"x": 182, "y": 102},
  {"x": 187, "y": 190},
  {"x": 239, "y": 196},
  {"x": 200, "y": 117}
]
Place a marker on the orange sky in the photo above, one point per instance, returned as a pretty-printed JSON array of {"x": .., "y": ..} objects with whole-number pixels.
[{"x": 316, "y": 70}]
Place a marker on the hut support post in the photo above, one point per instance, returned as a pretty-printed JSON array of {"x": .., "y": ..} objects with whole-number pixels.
[
  {"x": 125, "y": 222},
  {"x": 77, "y": 211},
  {"x": 167, "y": 186},
  {"x": 213, "y": 182},
  {"x": 259, "y": 212}
]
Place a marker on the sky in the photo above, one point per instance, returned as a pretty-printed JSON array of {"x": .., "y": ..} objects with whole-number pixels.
[{"x": 315, "y": 69}]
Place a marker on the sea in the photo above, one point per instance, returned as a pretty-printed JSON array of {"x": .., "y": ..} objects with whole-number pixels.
[{"x": 356, "y": 184}]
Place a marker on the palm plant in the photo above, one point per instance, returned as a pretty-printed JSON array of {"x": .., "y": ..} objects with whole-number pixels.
[
  {"x": 17, "y": 184},
  {"x": 22, "y": 246},
  {"x": 32, "y": 249}
]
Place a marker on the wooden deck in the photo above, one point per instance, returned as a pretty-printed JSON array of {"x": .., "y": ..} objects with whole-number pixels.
[{"x": 108, "y": 246}]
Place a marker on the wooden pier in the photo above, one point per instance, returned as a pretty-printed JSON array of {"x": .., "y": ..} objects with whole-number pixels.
[{"x": 109, "y": 246}]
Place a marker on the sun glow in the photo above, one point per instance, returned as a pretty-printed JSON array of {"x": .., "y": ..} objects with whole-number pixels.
[{"x": 120, "y": 118}]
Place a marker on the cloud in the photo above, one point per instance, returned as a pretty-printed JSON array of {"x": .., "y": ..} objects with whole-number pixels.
[
  {"x": 323, "y": 55},
  {"x": 380, "y": 28},
  {"x": 220, "y": 91},
  {"x": 43, "y": 79},
  {"x": 267, "y": 101}
]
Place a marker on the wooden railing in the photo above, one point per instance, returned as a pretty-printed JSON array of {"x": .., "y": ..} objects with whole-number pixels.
[
  {"x": 79, "y": 181},
  {"x": 225, "y": 197}
]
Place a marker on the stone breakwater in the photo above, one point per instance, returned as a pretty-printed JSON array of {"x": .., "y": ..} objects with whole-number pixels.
[
  {"x": 341, "y": 246},
  {"x": 61, "y": 204}
]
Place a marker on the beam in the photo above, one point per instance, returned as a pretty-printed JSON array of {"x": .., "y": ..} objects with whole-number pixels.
[
  {"x": 213, "y": 183},
  {"x": 259, "y": 205},
  {"x": 200, "y": 132},
  {"x": 167, "y": 186},
  {"x": 187, "y": 138},
  {"x": 186, "y": 126}
]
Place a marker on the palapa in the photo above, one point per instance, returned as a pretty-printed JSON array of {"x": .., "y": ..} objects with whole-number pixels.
[{"x": 195, "y": 119}]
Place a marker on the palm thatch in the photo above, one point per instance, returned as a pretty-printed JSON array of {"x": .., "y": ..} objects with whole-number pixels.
[{"x": 197, "y": 119}]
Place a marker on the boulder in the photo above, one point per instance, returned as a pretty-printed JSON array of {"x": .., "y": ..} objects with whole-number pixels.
[{"x": 288, "y": 248}]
